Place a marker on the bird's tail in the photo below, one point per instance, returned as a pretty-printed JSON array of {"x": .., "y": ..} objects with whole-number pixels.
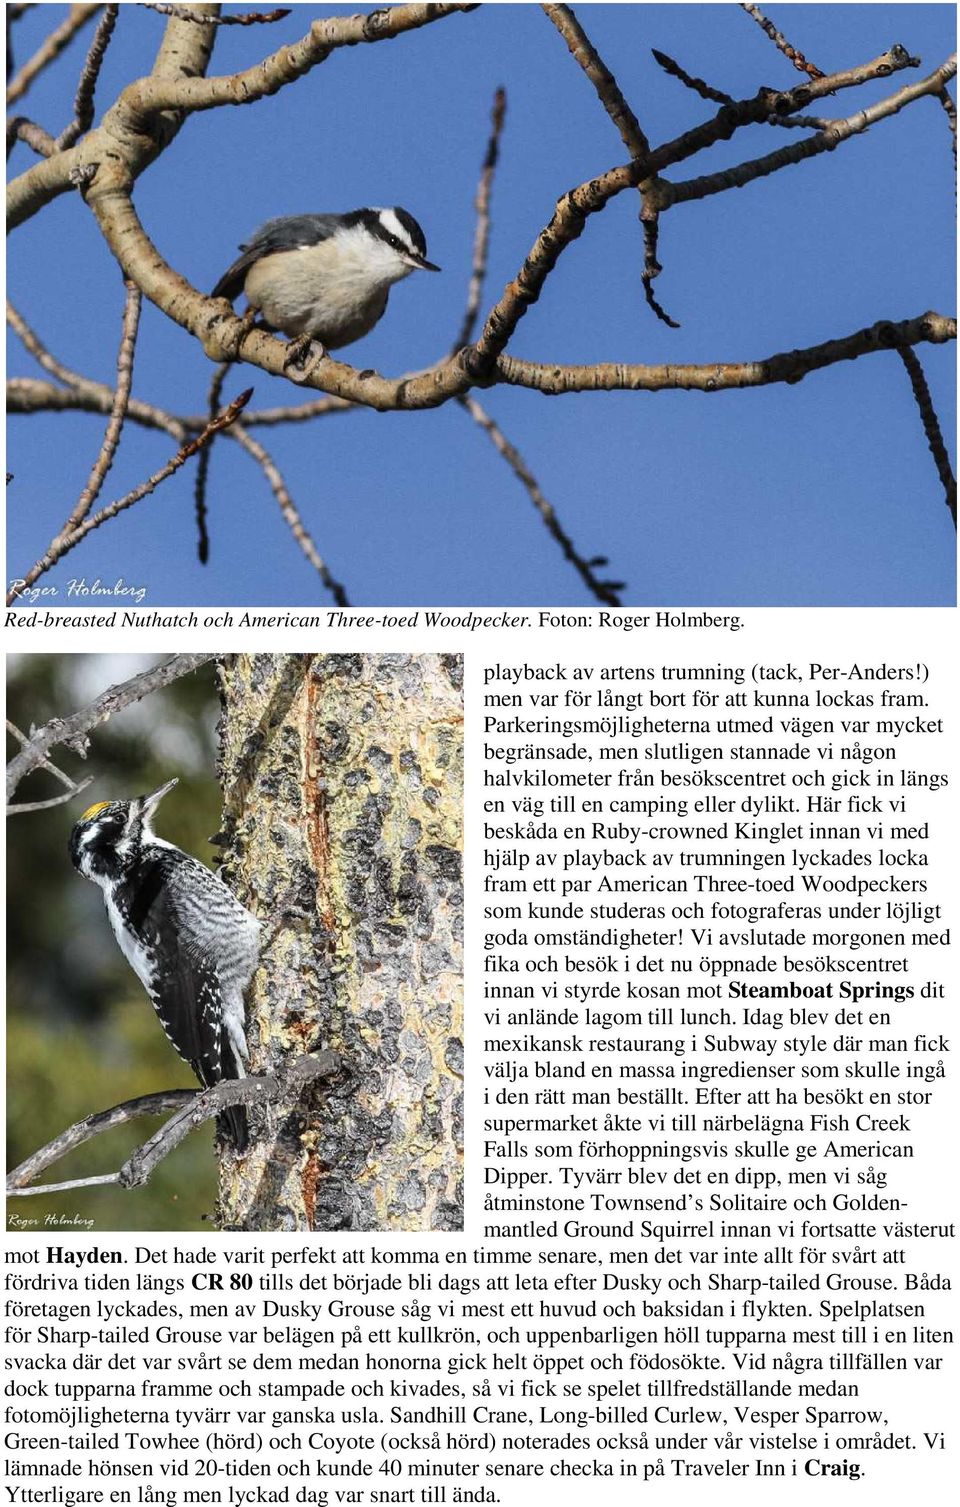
[
  {"x": 232, "y": 1127},
  {"x": 232, "y": 1123}
]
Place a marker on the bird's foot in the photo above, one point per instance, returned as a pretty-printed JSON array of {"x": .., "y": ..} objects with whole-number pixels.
[
  {"x": 301, "y": 357},
  {"x": 247, "y": 321}
]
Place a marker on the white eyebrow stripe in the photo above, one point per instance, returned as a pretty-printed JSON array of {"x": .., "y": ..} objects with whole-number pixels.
[{"x": 390, "y": 222}]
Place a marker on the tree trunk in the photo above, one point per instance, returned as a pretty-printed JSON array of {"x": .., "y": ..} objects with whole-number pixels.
[{"x": 343, "y": 782}]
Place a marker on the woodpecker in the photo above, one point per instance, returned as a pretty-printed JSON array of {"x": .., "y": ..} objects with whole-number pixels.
[{"x": 192, "y": 945}]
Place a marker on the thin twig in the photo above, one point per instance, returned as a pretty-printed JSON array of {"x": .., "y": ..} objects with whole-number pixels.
[
  {"x": 698, "y": 85},
  {"x": 72, "y": 788},
  {"x": 191, "y": 1108},
  {"x": 707, "y": 91},
  {"x": 73, "y": 731},
  {"x": 94, "y": 397},
  {"x": 57, "y": 800},
  {"x": 178, "y": 83},
  {"x": 184, "y": 13},
  {"x": 39, "y": 351},
  {"x": 50, "y": 49},
  {"x": 827, "y": 140},
  {"x": 798, "y": 122},
  {"x": 19, "y": 128},
  {"x": 24, "y": 741},
  {"x": 632, "y": 135},
  {"x": 203, "y": 463},
  {"x": 608, "y": 90},
  {"x": 26, "y": 395},
  {"x": 83, "y": 105},
  {"x": 478, "y": 276},
  {"x": 50, "y": 362},
  {"x": 290, "y": 512},
  {"x": 85, "y": 1130},
  {"x": 651, "y": 265},
  {"x": 604, "y": 591},
  {"x": 481, "y": 235},
  {"x": 29, "y": 394},
  {"x": 295, "y": 413},
  {"x": 479, "y": 361},
  {"x": 64, "y": 543},
  {"x": 931, "y": 426},
  {"x": 779, "y": 40},
  {"x": 14, "y": 12},
  {"x": 118, "y": 412}
]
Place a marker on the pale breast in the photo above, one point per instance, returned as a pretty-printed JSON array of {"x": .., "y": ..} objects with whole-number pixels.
[{"x": 315, "y": 291}]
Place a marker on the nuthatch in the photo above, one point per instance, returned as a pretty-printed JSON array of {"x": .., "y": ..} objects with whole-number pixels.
[{"x": 326, "y": 277}]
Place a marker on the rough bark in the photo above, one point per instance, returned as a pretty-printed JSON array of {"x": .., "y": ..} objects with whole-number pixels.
[{"x": 343, "y": 831}]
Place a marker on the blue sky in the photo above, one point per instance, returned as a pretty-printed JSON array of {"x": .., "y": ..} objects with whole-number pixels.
[{"x": 819, "y": 494}]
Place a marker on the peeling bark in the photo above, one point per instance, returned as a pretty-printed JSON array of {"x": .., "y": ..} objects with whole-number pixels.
[{"x": 343, "y": 780}]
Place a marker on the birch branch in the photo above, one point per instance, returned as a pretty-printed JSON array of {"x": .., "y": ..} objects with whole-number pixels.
[
  {"x": 19, "y": 128},
  {"x": 23, "y": 808},
  {"x": 30, "y": 395},
  {"x": 603, "y": 591},
  {"x": 72, "y": 789},
  {"x": 184, "y": 51},
  {"x": 203, "y": 464},
  {"x": 50, "y": 49},
  {"x": 607, "y": 89},
  {"x": 83, "y": 105},
  {"x": 65, "y": 542},
  {"x": 787, "y": 366},
  {"x": 290, "y": 513},
  {"x": 73, "y": 731},
  {"x": 184, "y": 13},
  {"x": 481, "y": 235},
  {"x": 118, "y": 409},
  {"x": 834, "y": 134},
  {"x": 192, "y": 1107},
  {"x": 576, "y": 206},
  {"x": 141, "y": 101},
  {"x": 707, "y": 91},
  {"x": 631, "y": 134},
  {"x": 25, "y": 395},
  {"x": 554, "y": 379}
]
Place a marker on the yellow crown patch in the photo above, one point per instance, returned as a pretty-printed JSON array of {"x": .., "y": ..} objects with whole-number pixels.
[{"x": 93, "y": 810}]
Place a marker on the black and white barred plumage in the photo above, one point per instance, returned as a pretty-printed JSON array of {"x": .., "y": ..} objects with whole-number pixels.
[{"x": 190, "y": 942}]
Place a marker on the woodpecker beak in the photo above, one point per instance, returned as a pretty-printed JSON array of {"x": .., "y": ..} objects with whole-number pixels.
[
  {"x": 421, "y": 262},
  {"x": 151, "y": 802}
]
